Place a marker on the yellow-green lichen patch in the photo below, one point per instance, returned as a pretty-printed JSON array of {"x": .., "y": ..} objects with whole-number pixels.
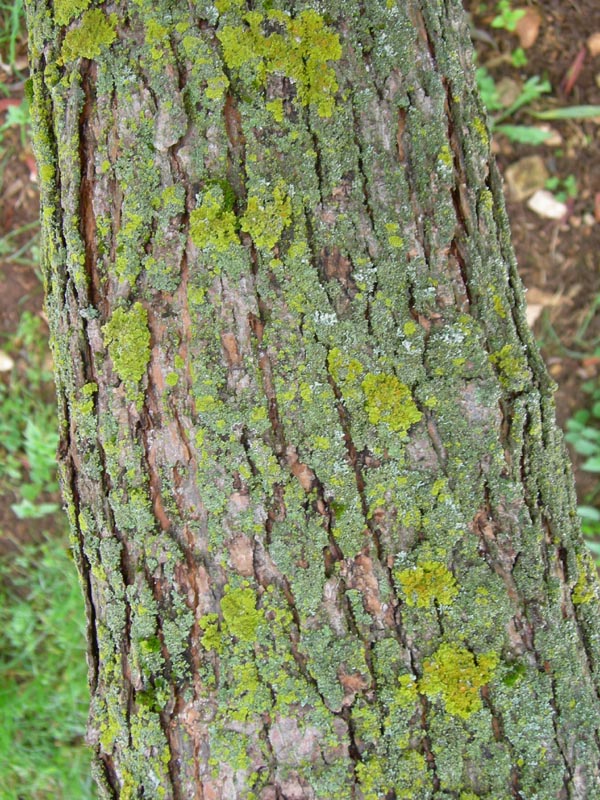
[
  {"x": 66, "y": 10},
  {"x": 584, "y": 589},
  {"x": 276, "y": 108},
  {"x": 427, "y": 583},
  {"x": 240, "y": 615},
  {"x": 455, "y": 674},
  {"x": 389, "y": 401},
  {"x": 394, "y": 239},
  {"x": 301, "y": 51},
  {"x": 211, "y": 639},
  {"x": 127, "y": 337},
  {"x": 512, "y": 367},
  {"x": 214, "y": 223},
  {"x": 265, "y": 220},
  {"x": 95, "y": 32},
  {"x": 407, "y": 692}
]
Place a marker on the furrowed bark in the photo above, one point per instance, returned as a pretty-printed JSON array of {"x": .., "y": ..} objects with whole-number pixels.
[{"x": 323, "y": 517}]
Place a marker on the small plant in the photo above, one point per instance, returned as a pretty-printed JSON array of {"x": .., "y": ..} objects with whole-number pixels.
[
  {"x": 532, "y": 89},
  {"x": 562, "y": 189},
  {"x": 507, "y": 17},
  {"x": 43, "y": 682},
  {"x": 518, "y": 57},
  {"x": 11, "y": 32},
  {"x": 17, "y": 116},
  {"x": 28, "y": 429},
  {"x": 583, "y": 434}
]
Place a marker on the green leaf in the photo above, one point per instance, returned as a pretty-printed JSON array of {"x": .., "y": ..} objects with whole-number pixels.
[
  {"x": 590, "y": 513},
  {"x": 584, "y": 447},
  {"x": 592, "y": 464},
  {"x": 524, "y": 134},
  {"x": 570, "y": 112}
]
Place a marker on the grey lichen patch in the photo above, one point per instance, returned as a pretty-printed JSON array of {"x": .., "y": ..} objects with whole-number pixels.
[{"x": 127, "y": 337}]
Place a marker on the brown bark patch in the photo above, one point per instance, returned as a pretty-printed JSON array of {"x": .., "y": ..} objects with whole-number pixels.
[{"x": 241, "y": 555}]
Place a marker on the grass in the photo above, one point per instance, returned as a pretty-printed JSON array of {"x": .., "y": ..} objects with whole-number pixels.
[
  {"x": 43, "y": 684},
  {"x": 28, "y": 428}
]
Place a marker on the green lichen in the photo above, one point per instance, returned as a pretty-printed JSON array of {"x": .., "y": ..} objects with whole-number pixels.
[
  {"x": 394, "y": 239},
  {"x": 95, "y": 32},
  {"x": 512, "y": 367},
  {"x": 214, "y": 223},
  {"x": 66, "y": 10},
  {"x": 171, "y": 379},
  {"x": 407, "y": 692},
  {"x": 211, "y": 640},
  {"x": 301, "y": 52},
  {"x": 427, "y": 583},
  {"x": 216, "y": 86},
  {"x": 276, "y": 108},
  {"x": 265, "y": 220},
  {"x": 389, "y": 401},
  {"x": 127, "y": 337},
  {"x": 240, "y": 615},
  {"x": 584, "y": 589},
  {"x": 457, "y": 676}
]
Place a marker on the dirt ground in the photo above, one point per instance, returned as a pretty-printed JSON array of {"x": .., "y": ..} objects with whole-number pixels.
[{"x": 559, "y": 259}]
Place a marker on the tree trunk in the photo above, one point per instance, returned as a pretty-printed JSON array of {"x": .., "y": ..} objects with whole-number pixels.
[{"x": 323, "y": 517}]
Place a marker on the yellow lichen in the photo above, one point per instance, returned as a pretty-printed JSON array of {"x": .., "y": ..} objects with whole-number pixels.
[
  {"x": 427, "y": 583},
  {"x": 240, "y": 615},
  {"x": 584, "y": 590},
  {"x": 95, "y": 32},
  {"x": 301, "y": 52},
  {"x": 66, "y": 10},
  {"x": 389, "y": 401},
  {"x": 127, "y": 337},
  {"x": 265, "y": 218},
  {"x": 213, "y": 223},
  {"x": 454, "y": 673},
  {"x": 512, "y": 367}
]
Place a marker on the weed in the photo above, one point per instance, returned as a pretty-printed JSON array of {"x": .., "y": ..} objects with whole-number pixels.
[
  {"x": 562, "y": 189},
  {"x": 11, "y": 32},
  {"x": 583, "y": 434},
  {"x": 28, "y": 437},
  {"x": 507, "y": 17},
  {"x": 17, "y": 117},
  {"x": 532, "y": 89},
  {"x": 43, "y": 694}
]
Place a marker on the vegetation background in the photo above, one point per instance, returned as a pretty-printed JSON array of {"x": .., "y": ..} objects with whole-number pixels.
[{"x": 538, "y": 67}]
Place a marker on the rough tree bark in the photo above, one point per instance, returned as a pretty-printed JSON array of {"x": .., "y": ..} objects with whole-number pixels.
[{"x": 323, "y": 516}]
